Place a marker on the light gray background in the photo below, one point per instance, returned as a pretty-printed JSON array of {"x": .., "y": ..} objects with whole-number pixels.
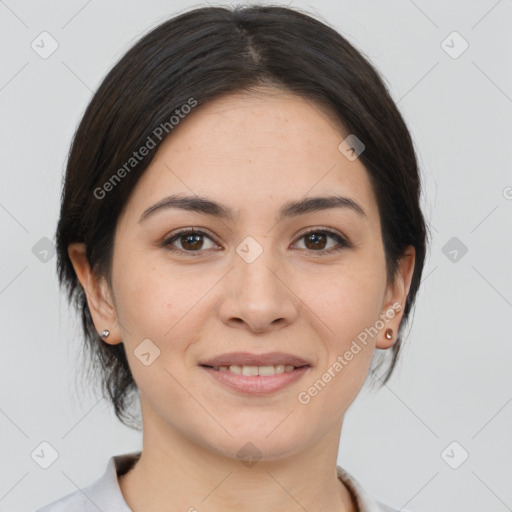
[{"x": 454, "y": 381}]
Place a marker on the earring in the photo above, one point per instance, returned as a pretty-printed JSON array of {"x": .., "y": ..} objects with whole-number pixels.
[
  {"x": 105, "y": 333},
  {"x": 389, "y": 334}
]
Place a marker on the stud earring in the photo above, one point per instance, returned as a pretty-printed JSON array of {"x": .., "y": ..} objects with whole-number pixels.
[
  {"x": 389, "y": 334},
  {"x": 105, "y": 333}
]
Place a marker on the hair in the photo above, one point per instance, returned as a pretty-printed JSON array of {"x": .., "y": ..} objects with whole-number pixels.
[{"x": 198, "y": 56}]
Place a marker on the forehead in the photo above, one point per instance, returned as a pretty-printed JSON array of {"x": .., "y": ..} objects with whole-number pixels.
[{"x": 246, "y": 149}]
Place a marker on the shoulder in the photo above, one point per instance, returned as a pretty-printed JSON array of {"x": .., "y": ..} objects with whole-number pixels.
[
  {"x": 74, "y": 501},
  {"x": 386, "y": 508},
  {"x": 103, "y": 494},
  {"x": 365, "y": 502}
]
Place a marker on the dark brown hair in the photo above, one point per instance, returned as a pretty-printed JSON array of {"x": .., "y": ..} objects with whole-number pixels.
[{"x": 196, "y": 57}]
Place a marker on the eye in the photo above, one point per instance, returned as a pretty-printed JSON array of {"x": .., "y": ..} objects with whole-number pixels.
[
  {"x": 190, "y": 240},
  {"x": 316, "y": 241},
  {"x": 192, "y": 243}
]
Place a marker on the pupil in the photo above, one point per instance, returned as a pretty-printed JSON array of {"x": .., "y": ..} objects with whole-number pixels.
[
  {"x": 316, "y": 237},
  {"x": 194, "y": 240}
]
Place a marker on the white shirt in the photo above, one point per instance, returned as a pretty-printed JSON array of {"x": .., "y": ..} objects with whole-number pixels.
[{"x": 105, "y": 494}]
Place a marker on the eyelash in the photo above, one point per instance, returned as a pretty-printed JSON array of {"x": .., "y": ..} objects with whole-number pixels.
[{"x": 342, "y": 242}]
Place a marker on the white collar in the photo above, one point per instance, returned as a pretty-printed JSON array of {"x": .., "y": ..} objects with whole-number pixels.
[{"x": 105, "y": 493}]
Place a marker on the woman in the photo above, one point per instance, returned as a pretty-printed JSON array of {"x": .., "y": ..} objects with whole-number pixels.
[{"x": 241, "y": 229}]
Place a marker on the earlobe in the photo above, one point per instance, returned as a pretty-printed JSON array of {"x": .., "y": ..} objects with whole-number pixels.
[
  {"x": 387, "y": 338},
  {"x": 396, "y": 296},
  {"x": 97, "y": 293}
]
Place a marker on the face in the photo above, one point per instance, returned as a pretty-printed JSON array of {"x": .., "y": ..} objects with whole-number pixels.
[{"x": 307, "y": 283}]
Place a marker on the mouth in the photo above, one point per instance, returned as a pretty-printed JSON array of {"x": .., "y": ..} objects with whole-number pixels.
[
  {"x": 255, "y": 380},
  {"x": 252, "y": 371}
]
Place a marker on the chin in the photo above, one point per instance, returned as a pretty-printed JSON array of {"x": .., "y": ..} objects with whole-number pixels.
[{"x": 253, "y": 444}]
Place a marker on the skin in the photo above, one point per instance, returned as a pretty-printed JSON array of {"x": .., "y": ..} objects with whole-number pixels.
[{"x": 251, "y": 153}]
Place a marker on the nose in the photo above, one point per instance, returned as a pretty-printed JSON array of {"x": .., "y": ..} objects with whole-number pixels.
[{"x": 258, "y": 295}]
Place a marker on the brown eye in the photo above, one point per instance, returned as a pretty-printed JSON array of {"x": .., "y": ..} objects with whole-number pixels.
[
  {"x": 191, "y": 241},
  {"x": 317, "y": 241}
]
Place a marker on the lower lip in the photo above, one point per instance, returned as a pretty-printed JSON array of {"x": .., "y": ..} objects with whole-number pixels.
[{"x": 257, "y": 384}]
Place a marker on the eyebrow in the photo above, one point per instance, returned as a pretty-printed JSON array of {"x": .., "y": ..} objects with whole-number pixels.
[{"x": 207, "y": 206}]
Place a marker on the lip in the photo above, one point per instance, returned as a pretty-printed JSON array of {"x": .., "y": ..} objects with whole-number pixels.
[
  {"x": 248, "y": 359},
  {"x": 256, "y": 384}
]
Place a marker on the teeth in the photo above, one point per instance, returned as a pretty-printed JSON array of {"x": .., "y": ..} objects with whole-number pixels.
[{"x": 255, "y": 370}]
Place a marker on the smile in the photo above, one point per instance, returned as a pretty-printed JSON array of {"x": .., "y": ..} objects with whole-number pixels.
[{"x": 256, "y": 379}]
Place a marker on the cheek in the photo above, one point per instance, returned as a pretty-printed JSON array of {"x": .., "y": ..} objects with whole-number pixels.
[
  {"x": 348, "y": 300},
  {"x": 349, "y": 304},
  {"x": 152, "y": 304},
  {"x": 350, "y": 307},
  {"x": 150, "y": 297}
]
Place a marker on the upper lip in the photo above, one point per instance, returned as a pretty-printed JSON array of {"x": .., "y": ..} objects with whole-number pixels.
[{"x": 248, "y": 359}]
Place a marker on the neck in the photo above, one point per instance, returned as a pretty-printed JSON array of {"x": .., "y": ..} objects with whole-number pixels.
[{"x": 174, "y": 470}]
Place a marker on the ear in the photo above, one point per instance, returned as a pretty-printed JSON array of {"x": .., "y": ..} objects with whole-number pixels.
[
  {"x": 98, "y": 294},
  {"x": 396, "y": 295}
]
